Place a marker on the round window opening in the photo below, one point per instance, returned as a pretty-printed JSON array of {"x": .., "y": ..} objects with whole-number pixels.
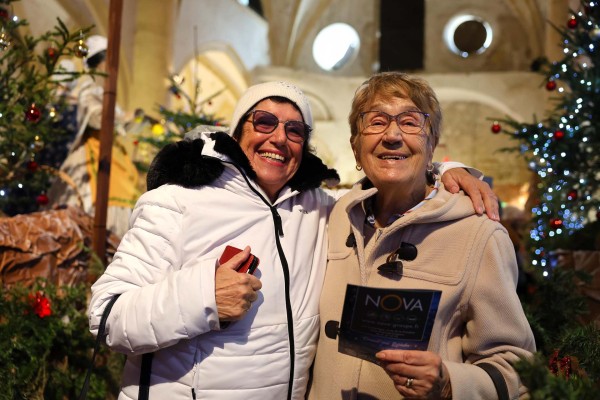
[
  {"x": 335, "y": 46},
  {"x": 467, "y": 35}
]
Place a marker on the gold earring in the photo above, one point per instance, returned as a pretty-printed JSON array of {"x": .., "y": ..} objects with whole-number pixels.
[{"x": 358, "y": 167}]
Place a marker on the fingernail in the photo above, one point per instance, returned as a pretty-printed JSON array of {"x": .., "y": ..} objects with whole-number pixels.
[{"x": 380, "y": 355}]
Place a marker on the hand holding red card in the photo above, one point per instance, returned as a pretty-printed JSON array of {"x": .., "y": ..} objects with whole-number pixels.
[{"x": 249, "y": 266}]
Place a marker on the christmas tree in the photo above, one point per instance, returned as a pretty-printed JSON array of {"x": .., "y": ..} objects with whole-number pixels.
[
  {"x": 174, "y": 122},
  {"x": 31, "y": 110},
  {"x": 563, "y": 150}
]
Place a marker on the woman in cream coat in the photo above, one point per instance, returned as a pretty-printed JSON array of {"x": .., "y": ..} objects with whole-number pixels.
[{"x": 395, "y": 124}]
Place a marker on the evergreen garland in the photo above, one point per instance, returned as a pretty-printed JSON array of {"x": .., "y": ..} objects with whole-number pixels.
[{"x": 46, "y": 345}]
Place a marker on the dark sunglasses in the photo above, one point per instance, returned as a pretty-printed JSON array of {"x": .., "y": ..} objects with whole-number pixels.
[
  {"x": 265, "y": 122},
  {"x": 393, "y": 265}
]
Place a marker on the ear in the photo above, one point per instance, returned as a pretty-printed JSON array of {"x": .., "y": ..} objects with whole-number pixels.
[
  {"x": 431, "y": 147},
  {"x": 354, "y": 149}
]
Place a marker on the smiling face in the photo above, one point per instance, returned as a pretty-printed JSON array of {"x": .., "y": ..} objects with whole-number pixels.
[
  {"x": 274, "y": 158},
  {"x": 394, "y": 161}
]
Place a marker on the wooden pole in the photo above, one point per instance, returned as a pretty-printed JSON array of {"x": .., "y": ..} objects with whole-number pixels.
[{"x": 107, "y": 127}]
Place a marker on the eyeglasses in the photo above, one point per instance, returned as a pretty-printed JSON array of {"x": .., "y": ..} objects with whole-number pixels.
[
  {"x": 265, "y": 122},
  {"x": 409, "y": 122},
  {"x": 393, "y": 265}
]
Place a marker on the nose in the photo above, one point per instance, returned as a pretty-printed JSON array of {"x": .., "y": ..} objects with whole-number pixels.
[
  {"x": 393, "y": 133},
  {"x": 278, "y": 135}
]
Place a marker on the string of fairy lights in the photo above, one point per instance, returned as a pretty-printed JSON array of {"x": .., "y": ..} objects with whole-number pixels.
[{"x": 564, "y": 150}]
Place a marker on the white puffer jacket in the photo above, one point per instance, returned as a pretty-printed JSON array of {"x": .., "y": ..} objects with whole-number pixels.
[{"x": 164, "y": 270}]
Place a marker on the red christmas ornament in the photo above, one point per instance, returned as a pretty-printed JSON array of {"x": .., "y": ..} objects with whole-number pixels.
[
  {"x": 32, "y": 166},
  {"x": 558, "y": 135},
  {"x": 496, "y": 128},
  {"x": 3, "y": 13},
  {"x": 33, "y": 114},
  {"x": 42, "y": 199},
  {"x": 572, "y": 195},
  {"x": 572, "y": 23},
  {"x": 556, "y": 223},
  {"x": 550, "y": 85},
  {"x": 40, "y": 304},
  {"x": 51, "y": 53}
]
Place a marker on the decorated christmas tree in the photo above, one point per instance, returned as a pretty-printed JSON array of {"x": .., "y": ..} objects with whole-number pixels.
[
  {"x": 175, "y": 121},
  {"x": 563, "y": 150},
  {"x": 32, "y": 108}
]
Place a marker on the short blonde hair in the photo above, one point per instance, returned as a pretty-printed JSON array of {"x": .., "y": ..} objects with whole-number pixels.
[{"x": 387, "y": 85}]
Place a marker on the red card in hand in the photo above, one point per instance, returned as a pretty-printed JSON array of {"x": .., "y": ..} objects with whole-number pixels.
[{"x": 248, "y": 267}]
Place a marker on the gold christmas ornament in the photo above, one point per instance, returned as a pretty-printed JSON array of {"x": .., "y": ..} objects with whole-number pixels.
[
  {"x": 4, "y": 40},
  {"x": 80, "y": 50},
  {"x": 595, "y": 33}
]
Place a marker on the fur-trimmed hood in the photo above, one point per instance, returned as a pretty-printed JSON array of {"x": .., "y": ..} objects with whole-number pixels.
[{"x": 183, "y": 163}]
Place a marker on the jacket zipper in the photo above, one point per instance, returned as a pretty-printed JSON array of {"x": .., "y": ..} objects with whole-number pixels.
[
  {"x": 286, "y": 277},
  {"x": 288, "y": 303}
]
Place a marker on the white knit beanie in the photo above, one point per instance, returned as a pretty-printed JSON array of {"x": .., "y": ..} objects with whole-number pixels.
[
  {"x": 261, "y": 91},
  {"x": 95, "y": 45}
]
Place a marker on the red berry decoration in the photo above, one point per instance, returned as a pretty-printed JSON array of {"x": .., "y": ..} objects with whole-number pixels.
[
  {"x": 556, "y": 223},
  {"x": 32, "y": 166},
  {"x": 572, "y": 23},
  {"x": 496, "y": 128},
  {"x": 51, "y": 52},
  {"x": 558, "y": 135},
  {"x": 40, "y": 304},
  {"x": 33, "y": 114},
  {"x": 550, "y": 85},
  {"x": 572, "y": 195},
  {"x": 42, "y": 199}
]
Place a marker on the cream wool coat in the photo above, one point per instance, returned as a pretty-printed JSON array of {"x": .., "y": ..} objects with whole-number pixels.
[{"x": 469, "y": 257}]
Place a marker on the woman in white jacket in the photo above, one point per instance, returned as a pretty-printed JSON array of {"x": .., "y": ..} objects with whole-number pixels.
[{"x": 258, "y": 190}]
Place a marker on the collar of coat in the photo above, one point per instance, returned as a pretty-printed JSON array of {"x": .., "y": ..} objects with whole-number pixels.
[{"x": 178, "y": 163}]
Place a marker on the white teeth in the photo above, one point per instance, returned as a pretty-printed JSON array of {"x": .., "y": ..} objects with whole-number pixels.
[{"x": 273, "y": 156}]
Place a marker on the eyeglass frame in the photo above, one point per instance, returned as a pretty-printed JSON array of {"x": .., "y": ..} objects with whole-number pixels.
[
  {"x": 307, "y": 128},
  {"x": 391, "y": 118}
]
